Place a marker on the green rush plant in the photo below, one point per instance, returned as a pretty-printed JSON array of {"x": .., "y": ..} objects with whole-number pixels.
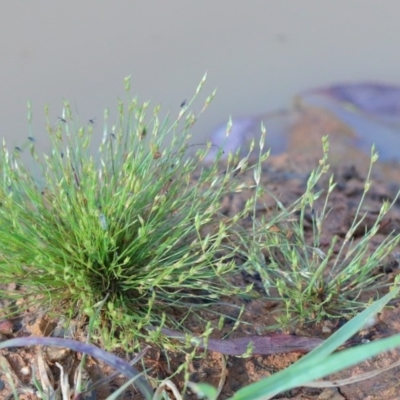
[
  {"x": 320, "y": 362},
  {"x": 128, "y": 223},
  {"x": 314, "y": 284}
]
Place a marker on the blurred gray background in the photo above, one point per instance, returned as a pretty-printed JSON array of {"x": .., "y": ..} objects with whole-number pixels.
[{"x": 258, "y": 54}]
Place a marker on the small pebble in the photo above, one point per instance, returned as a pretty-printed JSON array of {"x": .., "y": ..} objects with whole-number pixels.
[
  {"x": 25, "y": 371},
  {"x": 2, "y": 385},
  {"x": 56, "y": 354},
  {"x": 326, "y": 329},
  {"x": 6, "y": 327}
]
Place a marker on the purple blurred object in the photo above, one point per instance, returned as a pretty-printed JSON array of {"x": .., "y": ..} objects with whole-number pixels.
[
  {"x": 241, "y": 129},
  {"x": 371, "y": 98},
  {"x": 244, "y": 129},
  {"x": 371, "y": 110}
]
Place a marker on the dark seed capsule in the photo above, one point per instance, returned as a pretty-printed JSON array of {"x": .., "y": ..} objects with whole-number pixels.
[
  {"x": 31, "y": 139},
  {"x": 112, "y": 135},
  {"x": 183, "y": 104},
  {"x": 18, "y": 149},
  {"x": 91, "y": 121},
  {"x": 62, "y": 120}
]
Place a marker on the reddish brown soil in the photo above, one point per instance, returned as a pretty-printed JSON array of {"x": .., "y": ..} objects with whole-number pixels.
[{"x": 286, "y": 178}]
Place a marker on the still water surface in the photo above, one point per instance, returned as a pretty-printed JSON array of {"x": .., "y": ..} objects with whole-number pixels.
[{"x": 258, "y": 54}]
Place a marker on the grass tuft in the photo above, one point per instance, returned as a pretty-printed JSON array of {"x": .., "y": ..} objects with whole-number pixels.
[
  {"x": 128, "y": 223},
  {"x": 312, "y": 281}
]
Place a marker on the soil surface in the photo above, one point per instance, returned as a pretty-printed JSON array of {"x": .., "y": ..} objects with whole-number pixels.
[{"x": 286, "y": 177}]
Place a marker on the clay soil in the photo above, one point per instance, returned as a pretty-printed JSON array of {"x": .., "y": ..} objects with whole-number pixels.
[{"x": 286, "y": 177}]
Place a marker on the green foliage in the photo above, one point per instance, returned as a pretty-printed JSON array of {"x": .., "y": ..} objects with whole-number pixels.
[
  {"x": 317, "y": 364},
  {"x": 311, "y": 283},
  {"x": 128, "y": 223},
  {"x": 132, "y": 238},
  {"x": 320, "y": 362}
]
